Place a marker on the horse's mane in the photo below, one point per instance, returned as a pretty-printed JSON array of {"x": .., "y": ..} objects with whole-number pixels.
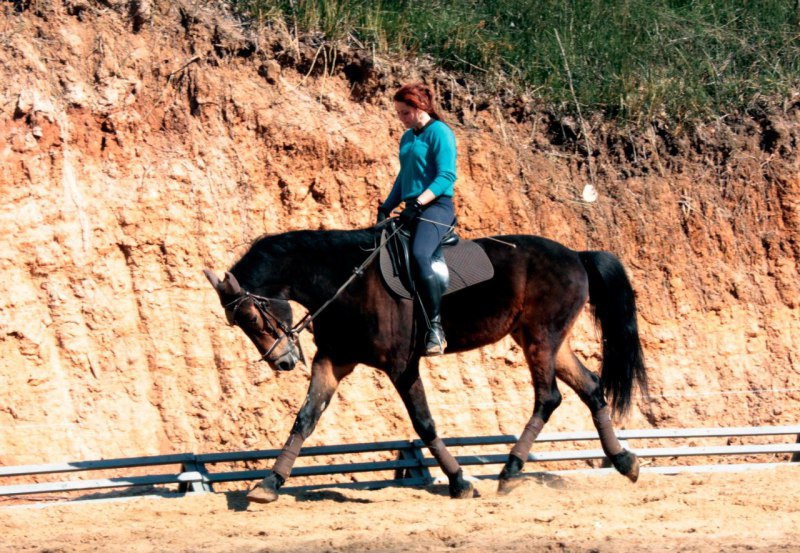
[
  {"x": 311, "y": 245},
  {"x": 288, "y": 243}
]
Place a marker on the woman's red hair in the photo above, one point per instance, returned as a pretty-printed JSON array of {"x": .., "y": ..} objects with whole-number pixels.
[{"x": 417, "y": 95}]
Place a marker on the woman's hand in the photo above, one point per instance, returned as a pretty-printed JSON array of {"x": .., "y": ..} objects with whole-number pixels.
[{"x": 411, "y": 212}]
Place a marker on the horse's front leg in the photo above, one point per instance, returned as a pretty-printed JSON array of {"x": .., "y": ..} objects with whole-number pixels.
[
  {"x": 325, "y": 378},
  {"x": 409, "y": 385}
]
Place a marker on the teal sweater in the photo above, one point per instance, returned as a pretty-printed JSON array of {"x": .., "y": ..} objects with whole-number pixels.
[{"x": 427, "y": 160}]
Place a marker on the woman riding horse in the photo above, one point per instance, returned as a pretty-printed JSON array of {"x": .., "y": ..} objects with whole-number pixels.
[
  {"x": 538, "y": 289},
  {"x": 425, "y": 184}
]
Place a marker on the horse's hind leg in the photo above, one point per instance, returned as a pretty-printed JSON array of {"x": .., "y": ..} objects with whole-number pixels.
[
  {"x": 587, "y": 385},
  {"x": 409, "y": 385},
  {"x": 541, "y": 360}
]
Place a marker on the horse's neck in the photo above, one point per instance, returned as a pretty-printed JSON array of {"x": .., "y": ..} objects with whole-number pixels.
[
  {"x": 318, "y": 276},
  {"x": 316, "y": 268}
]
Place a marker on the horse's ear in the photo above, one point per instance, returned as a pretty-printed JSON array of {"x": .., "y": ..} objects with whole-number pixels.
[
  {"x": 231, "y": 285},
  {"x": 212, "y": 278}
]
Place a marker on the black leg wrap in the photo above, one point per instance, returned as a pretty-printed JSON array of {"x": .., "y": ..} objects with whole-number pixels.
[
  {"x": 275, "y": 480},
  {"x": 512, "y": 467}
]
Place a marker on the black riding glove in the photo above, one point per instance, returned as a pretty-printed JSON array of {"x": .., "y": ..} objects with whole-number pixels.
[
  {"x": 411, "y": 212},
  {"x": 382, "y": 215}
]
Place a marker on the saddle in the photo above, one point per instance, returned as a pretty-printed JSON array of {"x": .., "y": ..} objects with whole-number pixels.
[{"x": 458, "y": 263}]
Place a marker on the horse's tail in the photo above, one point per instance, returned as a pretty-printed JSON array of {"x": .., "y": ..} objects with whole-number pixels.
[{"x": 614, "y": 306}]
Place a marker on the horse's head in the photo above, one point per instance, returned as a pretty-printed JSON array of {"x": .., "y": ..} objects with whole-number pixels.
[{"x": 266, "y": 321}]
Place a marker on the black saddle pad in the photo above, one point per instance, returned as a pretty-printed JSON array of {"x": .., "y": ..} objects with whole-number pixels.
[{"x": 466, "y": 261}]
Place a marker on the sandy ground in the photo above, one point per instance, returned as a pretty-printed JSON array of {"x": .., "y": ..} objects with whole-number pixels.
[{"x": 752, "y": 511}]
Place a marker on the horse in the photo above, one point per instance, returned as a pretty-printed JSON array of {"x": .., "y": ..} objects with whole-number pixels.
[{"x": 538, "y": 290}]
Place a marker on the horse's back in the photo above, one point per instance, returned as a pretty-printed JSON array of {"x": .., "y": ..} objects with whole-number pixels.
[
  {"x": 536, "y": 280},
  {"x": 531, "y": 251}
]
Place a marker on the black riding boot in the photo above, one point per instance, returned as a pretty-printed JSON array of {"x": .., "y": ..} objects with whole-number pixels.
[{"x": 430, "y": 293}]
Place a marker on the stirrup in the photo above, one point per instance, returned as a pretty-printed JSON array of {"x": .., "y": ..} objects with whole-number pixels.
[{"x": 435, "y": 343}]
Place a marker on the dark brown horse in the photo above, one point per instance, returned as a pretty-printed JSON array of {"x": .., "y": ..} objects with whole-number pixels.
[{"x": 538, "y": 290}]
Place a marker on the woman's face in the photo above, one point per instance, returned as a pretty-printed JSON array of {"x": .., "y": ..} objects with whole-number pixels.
[{"x": 409, "y": 116}]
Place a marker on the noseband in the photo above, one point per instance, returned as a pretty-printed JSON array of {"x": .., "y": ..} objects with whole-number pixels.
[{"x": 282, "y": 332}]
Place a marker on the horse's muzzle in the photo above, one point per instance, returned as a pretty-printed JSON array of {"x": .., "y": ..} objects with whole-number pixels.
[
  {"x": 287, "y": 360},
  {"x": 286, "y": 363}
]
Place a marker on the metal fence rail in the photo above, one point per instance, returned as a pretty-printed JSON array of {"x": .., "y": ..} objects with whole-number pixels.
[{"x": 193, "y": 472}]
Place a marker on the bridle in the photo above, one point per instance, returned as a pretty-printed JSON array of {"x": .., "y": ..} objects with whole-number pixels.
[{"x": 282, "y": 332}]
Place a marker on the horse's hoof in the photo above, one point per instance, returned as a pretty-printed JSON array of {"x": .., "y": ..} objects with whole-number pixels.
[
  {"x": 461, "y": 488},
  {"x": 627, "y": 463},
  {"x": 506, "y": 485},
  {"x": 260, "y": 494},
  {"x": 633, "y": 473},
  {"x": 467, "y": 491},
  {"x": 267, "y": 490}
]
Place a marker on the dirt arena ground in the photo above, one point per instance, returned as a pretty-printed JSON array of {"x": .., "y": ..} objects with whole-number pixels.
[{"x": 746, "y": 511}]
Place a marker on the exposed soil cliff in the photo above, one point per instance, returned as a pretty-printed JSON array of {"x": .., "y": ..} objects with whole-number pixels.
[{"x": 142, "y": 142}]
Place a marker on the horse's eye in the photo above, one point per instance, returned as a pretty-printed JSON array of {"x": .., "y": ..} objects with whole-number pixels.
[{"x": 252, "y": 319}]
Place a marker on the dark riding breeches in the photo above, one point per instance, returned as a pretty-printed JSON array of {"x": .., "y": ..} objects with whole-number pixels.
[{"x": 428, "y": 235}]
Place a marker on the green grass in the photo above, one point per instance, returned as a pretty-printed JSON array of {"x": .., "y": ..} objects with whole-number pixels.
[{"x": 632, "y": 60}]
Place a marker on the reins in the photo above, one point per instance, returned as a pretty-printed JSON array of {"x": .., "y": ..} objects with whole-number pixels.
[{"x": 303, "y": 323}]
